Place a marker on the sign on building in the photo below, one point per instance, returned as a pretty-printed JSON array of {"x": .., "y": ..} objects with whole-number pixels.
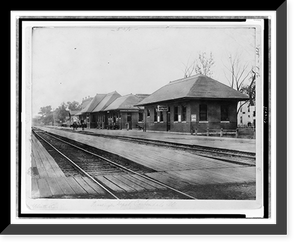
[
  {"x": 162, "y": 108},
  {"x": 193, "y": 118}
]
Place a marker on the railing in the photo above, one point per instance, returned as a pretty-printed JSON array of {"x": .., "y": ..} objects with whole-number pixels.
[{"x": 237, "y": 133}]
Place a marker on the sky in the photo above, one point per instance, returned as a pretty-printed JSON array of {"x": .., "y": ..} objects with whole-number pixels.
[{"x": 70, "y": 63}]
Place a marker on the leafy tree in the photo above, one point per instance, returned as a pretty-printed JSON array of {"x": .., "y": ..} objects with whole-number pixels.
[
  {"x": 46, "y": 115},
  {"x": 73, "y": 105},
  {"x": 44, "y": 111},
  {"x": 61, "y": 113}
]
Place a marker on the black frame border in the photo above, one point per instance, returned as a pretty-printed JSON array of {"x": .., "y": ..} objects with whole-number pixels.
[{"x": 165, "y": 229}]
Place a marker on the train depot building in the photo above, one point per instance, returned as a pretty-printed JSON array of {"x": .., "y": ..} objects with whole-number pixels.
[
  {"x": 193, "y": 104},
  {"x": 197, "y": 104}
]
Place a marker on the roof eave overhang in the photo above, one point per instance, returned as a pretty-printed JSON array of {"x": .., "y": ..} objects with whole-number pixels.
[{"x": 193, "y": 98}]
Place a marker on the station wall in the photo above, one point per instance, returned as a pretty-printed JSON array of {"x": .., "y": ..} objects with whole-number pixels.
[{"x": 190, "y": 120}]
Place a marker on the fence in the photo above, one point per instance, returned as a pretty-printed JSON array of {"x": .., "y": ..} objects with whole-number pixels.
[{"x": 244, "y": 132}]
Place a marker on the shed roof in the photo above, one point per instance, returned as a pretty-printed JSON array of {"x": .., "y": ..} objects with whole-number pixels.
[
  {"x": 198, "y": 86},
  {"x": 107, "y": 100},
  {"x": 127, "y": 102},
  {"x": 84, "y": 103},
  {"x": 93, "y": 103}
]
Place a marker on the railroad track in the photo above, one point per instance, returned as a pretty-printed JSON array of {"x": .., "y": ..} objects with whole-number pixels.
[
  {"x": 101, "y": 169},
  {"x": 227, "y": 155}
]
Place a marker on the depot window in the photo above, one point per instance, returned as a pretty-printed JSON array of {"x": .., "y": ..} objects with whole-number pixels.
[
  {"x": 202, "y": 112},
  {"x": 128, "y": 117},
  {"x": 183, "y": 113},
  {"x": 140, "y": 117},
  {"x": 224, "y": 112},
  {"x": 148, "y": 112},
  {"x": 161, "y": 116},
  {"x": 176, "y": 113},
  {"x": 155, "y": 115}
]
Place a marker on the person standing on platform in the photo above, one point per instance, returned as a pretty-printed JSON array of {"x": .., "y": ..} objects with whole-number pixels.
[{"x": 82, "y": 124}]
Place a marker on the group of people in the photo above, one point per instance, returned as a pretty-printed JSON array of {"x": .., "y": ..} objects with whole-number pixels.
[{"x": 77, "y": 124}]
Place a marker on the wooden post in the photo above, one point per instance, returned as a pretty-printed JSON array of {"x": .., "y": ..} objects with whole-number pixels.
[
  {"x": 221, "y": 132},
  {"x": 236, "y": 132},
  {"x": 207, "y": 132}
]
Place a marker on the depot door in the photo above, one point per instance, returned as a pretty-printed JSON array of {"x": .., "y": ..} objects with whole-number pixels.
[
  {"x": 129, "y": 120},
  {"x": 168, "y": 119}
]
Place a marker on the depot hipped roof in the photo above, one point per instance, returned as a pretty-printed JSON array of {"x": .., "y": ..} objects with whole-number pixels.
[{"x": 198, "y": 86}]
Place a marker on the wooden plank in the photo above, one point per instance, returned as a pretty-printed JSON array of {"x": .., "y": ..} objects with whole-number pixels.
[
  {"x": 48, "y": 161},
  {"x": 50, "y": 172},
  {"x": 118, "y": 182},
  {"x": 42, "y": 172},
  {"x": 75, "y": 186},
  {"x": 95, "y": 186},
  {"x": 196, "y": 177},
  {"x": 66, "y": 188},
  {"x": 167, "y": 179},
  {"x": 44, "y": 158},
  {"x": 34, "y": 172},
  {"x": 140, "y": 181},
  {"x": 244, "y": 173},
  {"x": 85, "y": 186},
  {"x": 34, "y": 188},
  {"x": 153, "y": 184},
  {"x": 54, "y": 187},
  {"x": 109, "y": 184},
  {"x": 185, "y": 176},
  {"x": 51, "y": 164},
  {"x": 44, "y": 188},
  {"x": 128, "y": 182},
  {"x": 33, "y": 161},
  {"x": 59, "y": 172},
  {"x": 175, "y": 177},
  {"x": 38, "y": 161},
  {"x": 216, "y": 176}
]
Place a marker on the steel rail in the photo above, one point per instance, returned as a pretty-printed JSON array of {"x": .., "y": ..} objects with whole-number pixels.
[
  {"x": 182, "y": 146},
  {"x": 124, "y": 168},
  {"x": 208, "y": 151},
  {"x": 201, "y": 148},
  {"x": 78, "y": 167}
]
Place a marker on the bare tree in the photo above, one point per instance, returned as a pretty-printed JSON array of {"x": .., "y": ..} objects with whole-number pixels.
[
  {"x": 202, "y": 65},
  {"x": 250, "y": 89},
  {"x": 189, "y": 70},
  {"x": 238, "y": 73}
]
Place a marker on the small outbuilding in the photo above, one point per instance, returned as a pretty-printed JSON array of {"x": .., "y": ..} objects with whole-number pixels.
[{"x": 192, "y": 104}]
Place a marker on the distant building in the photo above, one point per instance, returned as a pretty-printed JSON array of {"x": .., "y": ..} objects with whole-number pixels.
[
  {"x": 193, "y": 103},
  {"x": 82, "y": 115},
  {"x": 247, "y": 116},
  {"x": 73, "y": 117},
  {"x": 123, "y": 112},
  {"x": 99, "y": 117}
]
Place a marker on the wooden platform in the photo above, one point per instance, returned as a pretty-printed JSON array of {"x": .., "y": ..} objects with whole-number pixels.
[
  {"x": 175, "y": 168},
  {"x": 247, "y": 145},
  {"x": 48, "y": 180}
]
